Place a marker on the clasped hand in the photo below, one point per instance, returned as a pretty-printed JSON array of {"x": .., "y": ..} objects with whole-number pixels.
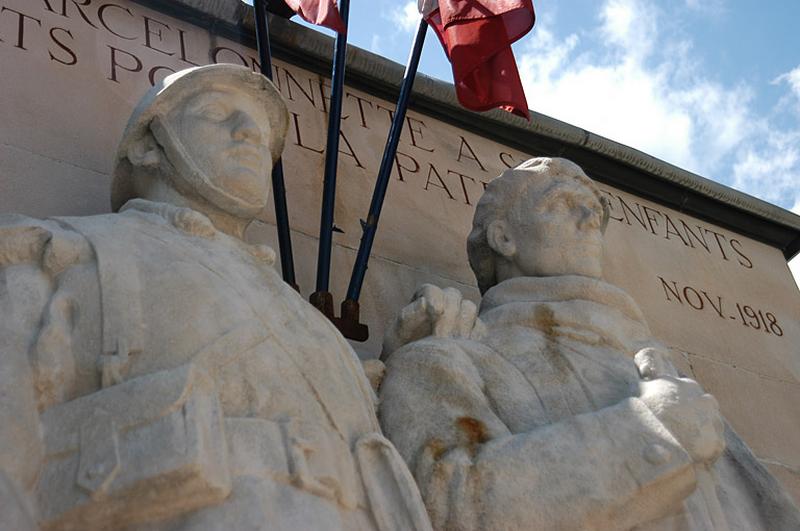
[
  {"x": 690, "y": 414},
  {"x": 433, "y": 312}
]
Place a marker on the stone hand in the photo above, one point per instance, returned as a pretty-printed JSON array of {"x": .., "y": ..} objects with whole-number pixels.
[
  {"x": 689, "y": 413},
  {"x": 654, "y": 363},
  {"x": 436, "y": 312}
]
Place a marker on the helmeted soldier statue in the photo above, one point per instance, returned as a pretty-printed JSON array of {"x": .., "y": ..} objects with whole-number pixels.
[{"x": 156, "y": 372}]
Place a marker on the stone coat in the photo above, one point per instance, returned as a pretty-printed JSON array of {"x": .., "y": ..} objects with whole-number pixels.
[
  {"x": 155, "y": 311},
  {"x": 538, "y": 424}
]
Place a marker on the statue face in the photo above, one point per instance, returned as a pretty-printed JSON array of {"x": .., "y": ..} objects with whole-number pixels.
[
  {"x": 224, "y": 135},
  {"x": 558, "y": 232}
]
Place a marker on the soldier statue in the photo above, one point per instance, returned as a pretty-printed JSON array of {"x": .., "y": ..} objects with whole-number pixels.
[{"x": 156, "y": 372}]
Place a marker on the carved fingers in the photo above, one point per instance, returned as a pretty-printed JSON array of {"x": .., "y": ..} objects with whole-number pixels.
[
  {"x": 688, "y": 412},
  {"x": 436, "y": 312},
  {"x": 457, "y": 317},
  {"x": 708, "y": 440},
  {"x": 654, "y": 363}
]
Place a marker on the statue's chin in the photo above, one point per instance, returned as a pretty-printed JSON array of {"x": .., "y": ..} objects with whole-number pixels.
[
  {"x": 242, "y": 192},
  {"x": 243, "y": 209},
  {"x": 243, "y": 183},
  {"x": 579, "y": 258}
]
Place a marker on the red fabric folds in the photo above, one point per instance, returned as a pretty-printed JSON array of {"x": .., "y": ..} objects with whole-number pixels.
[
  {"x": 319, "y": 12},
  {"x": 477, "y": 37}
]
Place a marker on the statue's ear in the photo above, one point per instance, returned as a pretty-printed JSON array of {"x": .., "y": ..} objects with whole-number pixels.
[
  {"x": 499, "y": 238},
  {"x": 144, "y": 151}
]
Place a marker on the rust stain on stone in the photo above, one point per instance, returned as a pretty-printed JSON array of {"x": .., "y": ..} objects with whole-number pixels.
[
  {"x": 546, "y": 320},
  {"x": 474, "y": 429},
  {"x": 437, "y": 448},
  {"x": 547, "y": 323}
]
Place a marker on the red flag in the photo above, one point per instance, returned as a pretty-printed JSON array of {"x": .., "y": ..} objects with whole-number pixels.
[
  {"x": 477, "y": 37},
  {"x": 319, "y": 12}
]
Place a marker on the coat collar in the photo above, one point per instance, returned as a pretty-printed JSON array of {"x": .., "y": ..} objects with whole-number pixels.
[{"x": 585, "y": 309}]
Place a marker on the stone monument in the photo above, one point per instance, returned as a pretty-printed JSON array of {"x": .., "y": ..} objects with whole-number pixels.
[
  {"x": 553, "y": 407},
  {"x": 156, "y": 373}
]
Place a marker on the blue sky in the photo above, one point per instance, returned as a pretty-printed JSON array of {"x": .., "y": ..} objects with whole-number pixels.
[{"x": 712, "y": 86}]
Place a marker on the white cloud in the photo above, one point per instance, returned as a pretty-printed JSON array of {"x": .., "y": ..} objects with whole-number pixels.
[
  {"x": 407, "y": 16},
  {"x": 633, "y": 81},
  {"x": 792, "y": 78},
  {"x": 629, "y": 24},
  {"x": 619, "y": 101},
  {"x": 375, "y": 44},
  {"x": 772, "y": 167}
]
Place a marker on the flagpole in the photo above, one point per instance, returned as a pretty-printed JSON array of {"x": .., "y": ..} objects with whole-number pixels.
[
  {"x": 321, "y": 298},
  {"x": 278, "y": 184},
  {"x": 350, "y": 307}
]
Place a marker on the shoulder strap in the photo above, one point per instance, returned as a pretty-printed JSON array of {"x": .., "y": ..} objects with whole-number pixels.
[{"x": 119, "y": 280}]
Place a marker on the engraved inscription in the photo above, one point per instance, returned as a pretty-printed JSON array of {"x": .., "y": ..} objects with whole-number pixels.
[
  {"x": 133, "y": 45},
  {"x": 675, "y": 229},
  {"x": 698, "y": 299}
]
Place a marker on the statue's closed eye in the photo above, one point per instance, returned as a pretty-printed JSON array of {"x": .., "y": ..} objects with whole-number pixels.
[{"x": 214, "y": 112}]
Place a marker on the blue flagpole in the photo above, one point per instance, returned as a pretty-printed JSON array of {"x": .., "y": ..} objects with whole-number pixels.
[
  {"x": 278, "y": 184},
  {"x": 348, "y": 323},
  {"x": 322, "y": 298}
]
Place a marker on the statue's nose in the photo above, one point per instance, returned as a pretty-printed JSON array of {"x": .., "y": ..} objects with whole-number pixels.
[{"x": 245, "y": 128}]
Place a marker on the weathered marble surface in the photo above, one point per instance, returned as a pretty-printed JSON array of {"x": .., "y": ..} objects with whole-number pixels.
[
  {"x": 552, "y": 407},
  {"x": 754, "y": 375},
  {"x": 156, "y": 373}
]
